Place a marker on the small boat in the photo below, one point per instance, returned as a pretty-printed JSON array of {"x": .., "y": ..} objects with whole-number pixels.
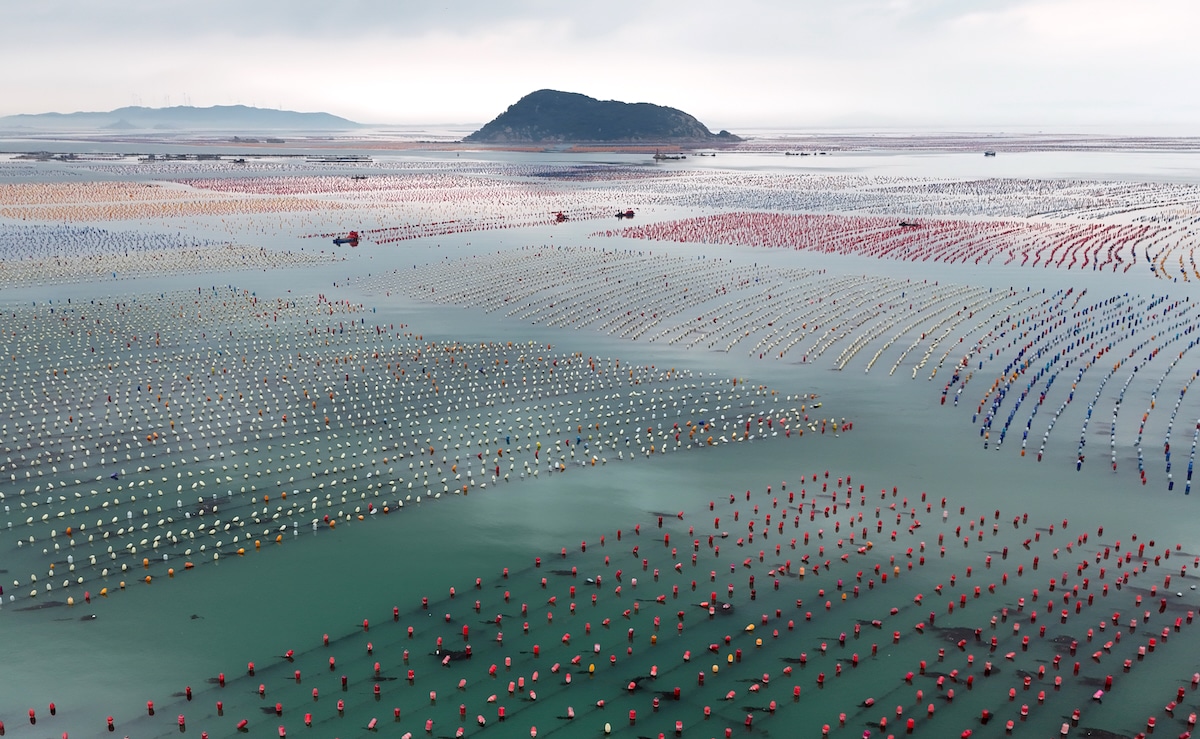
[
  {"x": 989, "y": 153},
  {"x": 350, "y": 238},
  {"x": 660, "y": 157}
]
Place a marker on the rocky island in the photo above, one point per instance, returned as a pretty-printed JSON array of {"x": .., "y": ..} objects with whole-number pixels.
[{"x": 550, "y": 116}]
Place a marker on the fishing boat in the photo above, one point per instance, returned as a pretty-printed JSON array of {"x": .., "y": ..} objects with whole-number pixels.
[{"x": 350, "y": 238}]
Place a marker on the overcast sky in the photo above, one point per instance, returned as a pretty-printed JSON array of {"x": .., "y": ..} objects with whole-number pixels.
[{"x": 1053, "y": 64}]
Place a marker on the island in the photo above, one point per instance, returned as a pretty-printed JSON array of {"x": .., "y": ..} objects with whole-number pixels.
[
  {"x": 551, "y": 116},
  {"x": 180, "y": 118}
]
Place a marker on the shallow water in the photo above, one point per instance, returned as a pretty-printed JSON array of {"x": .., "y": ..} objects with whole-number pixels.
[{"x": 149, "y": 642}]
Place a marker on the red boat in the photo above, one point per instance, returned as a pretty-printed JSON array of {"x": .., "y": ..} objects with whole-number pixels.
[{"x": 350, "y": 238}]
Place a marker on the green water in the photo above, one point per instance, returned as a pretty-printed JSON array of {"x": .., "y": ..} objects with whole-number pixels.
[{"x": 150, "y": 642}]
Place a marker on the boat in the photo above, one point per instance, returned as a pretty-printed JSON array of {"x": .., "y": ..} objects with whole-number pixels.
[
  {"x": 625, "y": 213},
  {"x": 989, "y": 153},
  {"x": 350, "y": 238},
  {"x": 660, "y": 157}
]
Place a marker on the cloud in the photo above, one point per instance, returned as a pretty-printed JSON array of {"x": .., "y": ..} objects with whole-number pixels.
[{"x": 807, "y": 63}]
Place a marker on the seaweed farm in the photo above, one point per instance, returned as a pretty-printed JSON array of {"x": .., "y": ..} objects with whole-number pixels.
[{"x": 574, "y": 444}]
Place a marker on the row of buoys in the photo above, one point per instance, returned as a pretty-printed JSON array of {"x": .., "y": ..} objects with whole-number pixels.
[
  {"x": 304, "y": 419},
  {"x": 73, "y": 202},
  {"x": 44, "y": 251},
  {"x": 64, "y": 242},
  {"x": 468, "y": 198},
  {"x": 1074, "y": 200},
  {"x": 700, "y": 302},
  {"x": 38, "y": 194},
  {"x": 1099, "y": 247},
  {"x": 356, "y": 404},
  {"x": 435, "y": 203},
  {"x": 1037, "y": 338},
  {"x": 1076, "y": 336},
  {"x": 960, "y": 637},
  {"x": 51, "y": 270},
  {"x": 463, "y": 186},
  {"x": 318, "y": 186}
]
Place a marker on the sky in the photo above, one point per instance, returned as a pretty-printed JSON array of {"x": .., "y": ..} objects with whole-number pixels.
[{"x": 1108, "y": 65}]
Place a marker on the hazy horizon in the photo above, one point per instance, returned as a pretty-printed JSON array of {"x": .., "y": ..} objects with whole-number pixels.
[
  {"x": 456, "y": 129},
  {"x": 1052, "y": 64}
]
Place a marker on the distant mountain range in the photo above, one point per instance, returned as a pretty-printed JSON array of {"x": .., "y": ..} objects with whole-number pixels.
[
  {"x": 239, "y": 118},
  {"x": 550, "y": 116}
]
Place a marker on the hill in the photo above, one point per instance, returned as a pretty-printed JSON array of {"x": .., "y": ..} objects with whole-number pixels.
[
  {"x": 550, "y": 116},
  {"x": 180, "y": 118}
]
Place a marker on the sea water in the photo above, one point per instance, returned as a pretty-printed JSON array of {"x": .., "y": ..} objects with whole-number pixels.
[{"x": 147, "y": 644}]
